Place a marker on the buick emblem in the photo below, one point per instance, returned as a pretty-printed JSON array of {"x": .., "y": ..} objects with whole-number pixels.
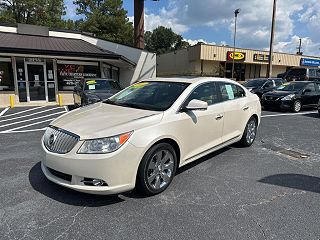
[{"x": 51, "y": 139}]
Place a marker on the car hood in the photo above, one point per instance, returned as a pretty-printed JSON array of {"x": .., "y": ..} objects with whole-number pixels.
[
  {"x": 278, "y": 93},
  {"x": 103, "y": 120}
]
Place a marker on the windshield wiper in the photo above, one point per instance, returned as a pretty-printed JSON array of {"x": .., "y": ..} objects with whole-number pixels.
[{"x": 108, "y": 101}]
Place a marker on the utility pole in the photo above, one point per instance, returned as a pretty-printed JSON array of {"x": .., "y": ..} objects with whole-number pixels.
[
  {"x": 236, "y": 12},
  {"x": 299, "y": 48},
  {"x": 269, "y": 73},
  {"x": 139, "y": 24}
]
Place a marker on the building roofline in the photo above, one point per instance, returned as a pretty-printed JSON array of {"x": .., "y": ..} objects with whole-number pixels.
[
  {"x": 257, "y": 50},
  {"x": 87, "y": 34},
  {"x": 239, "y": 48}
]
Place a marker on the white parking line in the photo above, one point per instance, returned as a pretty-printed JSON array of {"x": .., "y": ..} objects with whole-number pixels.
[
  {"x": 287, "y": 114},
  {"x": 28, "y": 115},
  {"x": 4, "y": 111},
  {"x": 24, "y": 131},
  {"x": 28, "y": 110},
  {"x": 25, "y": 126},
  {"x": 28, "y": 120},
  {"x": 66, "y": 108}
]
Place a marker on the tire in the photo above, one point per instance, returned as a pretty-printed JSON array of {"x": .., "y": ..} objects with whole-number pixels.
[
  {"x": 250, "y": 133},
  {"x": 154, "y": 176},
  {"x": 296, "y": 107}
]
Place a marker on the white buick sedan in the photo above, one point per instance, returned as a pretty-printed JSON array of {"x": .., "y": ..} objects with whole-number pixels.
[{"x": 140, "y": 136}]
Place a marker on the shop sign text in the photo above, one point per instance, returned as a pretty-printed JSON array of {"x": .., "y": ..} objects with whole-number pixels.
[{"x": 238, "y": 56}]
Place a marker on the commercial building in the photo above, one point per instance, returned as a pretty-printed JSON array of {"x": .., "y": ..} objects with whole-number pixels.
[
  {"x": 38, "y": 64},
  {"x": 211, "y": 60}
]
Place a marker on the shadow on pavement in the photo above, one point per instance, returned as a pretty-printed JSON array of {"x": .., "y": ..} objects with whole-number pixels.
[
  {"x": 64, "y": 195},
  {"x": 201, "y": 160},
  {"x": 312, "y": 115},
  {"x": 296, "y": 181}
]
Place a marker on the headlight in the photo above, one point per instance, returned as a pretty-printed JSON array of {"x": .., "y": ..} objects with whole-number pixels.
[
  {"x": 104, "y": 145},
  {"x": 289, "y": 97}
]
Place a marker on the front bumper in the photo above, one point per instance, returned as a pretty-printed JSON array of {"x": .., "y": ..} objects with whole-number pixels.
[
  {"x": 278, "y": 104},
  {"x": 117, "y": 169}
]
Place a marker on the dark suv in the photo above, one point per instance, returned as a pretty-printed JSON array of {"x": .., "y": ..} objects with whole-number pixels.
[{"x": 302, "y": 74}]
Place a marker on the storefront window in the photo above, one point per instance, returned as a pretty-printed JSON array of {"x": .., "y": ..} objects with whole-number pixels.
[
  {"x": 70, "y": 74},
  {"x": 50, "y": 81},
  {"x": 6, "y": 77},
  {"x": 115, "y": 73},
  {"x": 22, "y": 85}
]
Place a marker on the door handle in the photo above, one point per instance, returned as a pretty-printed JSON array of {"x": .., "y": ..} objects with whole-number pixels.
[
  {"x": 245, "y": 108},
  {"x": 219, "y": 116}
]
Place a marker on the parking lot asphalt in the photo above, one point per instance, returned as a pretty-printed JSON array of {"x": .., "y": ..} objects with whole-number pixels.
[{"x": 268, "y": 191}]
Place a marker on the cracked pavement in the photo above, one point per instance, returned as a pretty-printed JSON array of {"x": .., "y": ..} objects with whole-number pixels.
[{"x": 236, "y": 193}]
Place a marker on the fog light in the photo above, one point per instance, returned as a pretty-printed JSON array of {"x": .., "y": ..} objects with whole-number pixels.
[
  {"x": 98, "y": 182},
  {"x": 94, "y": 182}
]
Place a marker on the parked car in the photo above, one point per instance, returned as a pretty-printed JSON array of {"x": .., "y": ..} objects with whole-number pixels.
[
  {"x": 302, "y": 74},
  {"x": 140, "y": 136},
  {"x": 260, "y": 86},
  {"x": 293, "y": 95},
  {"x": 318, "y": 107},
  {"x": 94, "y": 90}
]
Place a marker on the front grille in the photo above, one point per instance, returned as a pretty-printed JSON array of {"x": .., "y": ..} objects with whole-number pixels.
[
  {"x": 59, "y": 141},
  {"x": 61, "y": 175}
]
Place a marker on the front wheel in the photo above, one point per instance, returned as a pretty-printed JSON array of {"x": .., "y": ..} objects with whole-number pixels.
[
  {"x": 296, "y": 106},
  {"x": 250, "y": 133},
  {"x": 157, "y": 169}
]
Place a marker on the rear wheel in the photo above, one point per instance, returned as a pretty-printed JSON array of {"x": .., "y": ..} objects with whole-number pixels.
[
  {"x": 250, "y": 133},
  {"x": 296, "y": 106},
  {"x": 157, "y": 169}
]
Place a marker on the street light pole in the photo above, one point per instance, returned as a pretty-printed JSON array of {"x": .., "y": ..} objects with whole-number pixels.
[
  {"x": 269, "y": 73},
  {"x": 236, "y": 12}
]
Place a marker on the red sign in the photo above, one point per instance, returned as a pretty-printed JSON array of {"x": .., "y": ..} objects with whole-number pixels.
[{"x": 238, "y": 56}]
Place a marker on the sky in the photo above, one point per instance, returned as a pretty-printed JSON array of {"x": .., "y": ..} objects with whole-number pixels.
[{"x": 212, "y": 21}]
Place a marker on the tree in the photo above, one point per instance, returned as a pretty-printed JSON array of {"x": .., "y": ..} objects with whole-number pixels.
[
  {"x": 107, "y": 19},
  {"x": 163, "y": 40},
  {"x": 40, "y": 12}
]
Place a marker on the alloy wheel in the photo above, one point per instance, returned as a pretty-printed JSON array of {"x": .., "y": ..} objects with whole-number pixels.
[
  {"x": 297, "y": 106},
  {"x": 160, "y": 169},
  {"x": 251, "y": 131}
]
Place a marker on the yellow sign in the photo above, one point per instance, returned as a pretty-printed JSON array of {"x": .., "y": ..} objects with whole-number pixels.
[
  {"x": 238, "y": 56},
  {"x": 91, "y": 82},
  {"x": 139, "y": 85}
]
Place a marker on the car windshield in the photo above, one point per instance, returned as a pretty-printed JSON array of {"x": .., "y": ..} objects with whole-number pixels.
[
  {"x": 254, "y": 83},
  {"x": 152, "y": 95},
  {"x": 292, "y": 86},
  {"x": 101, "y": 84}
]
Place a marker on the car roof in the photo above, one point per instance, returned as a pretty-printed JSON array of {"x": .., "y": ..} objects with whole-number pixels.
[{"x": 191, "y": 80}]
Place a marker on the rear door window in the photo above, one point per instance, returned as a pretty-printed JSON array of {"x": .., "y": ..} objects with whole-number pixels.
[{"x": 230, "y": 91}]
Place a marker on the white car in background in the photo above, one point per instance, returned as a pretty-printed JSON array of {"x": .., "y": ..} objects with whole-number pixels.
[{"x": 140, "y": 136}]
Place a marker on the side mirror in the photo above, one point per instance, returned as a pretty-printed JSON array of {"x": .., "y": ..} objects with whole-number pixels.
[{"x": 196, "y": 104}]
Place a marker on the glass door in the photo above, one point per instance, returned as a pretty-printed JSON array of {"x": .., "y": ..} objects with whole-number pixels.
[{"x": 37, "y": 82}]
